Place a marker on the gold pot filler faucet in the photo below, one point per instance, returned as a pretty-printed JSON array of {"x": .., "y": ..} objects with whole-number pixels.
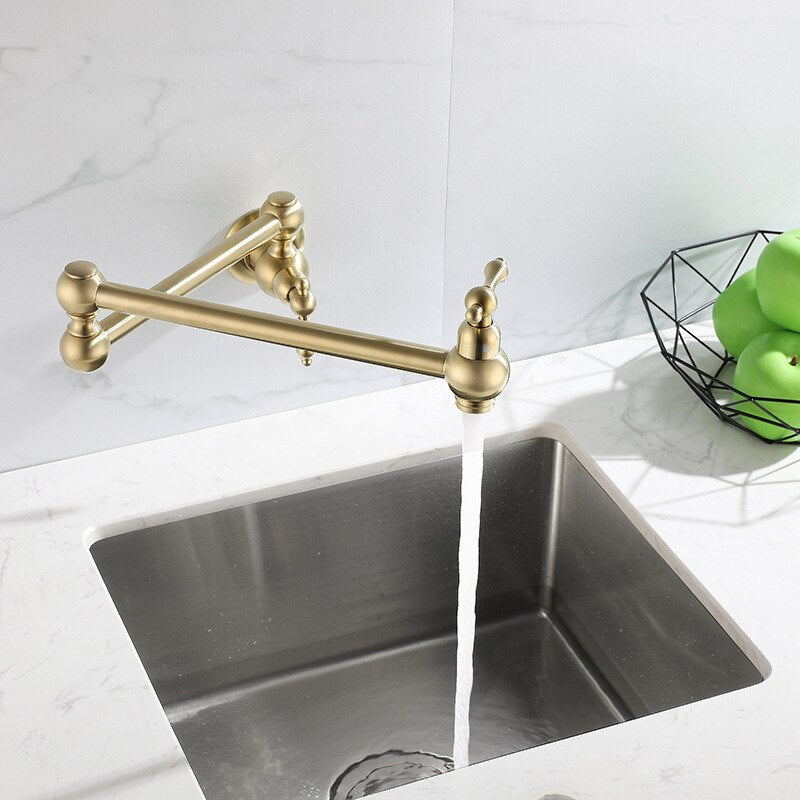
[{"x": 266, "y": 247}]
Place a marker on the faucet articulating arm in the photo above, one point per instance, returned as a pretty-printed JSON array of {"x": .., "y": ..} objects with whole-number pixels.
[
  {"x": 477, "y": 369},
  {"x": 266, "y": 247},
  {"x": 263, "y": 246}
]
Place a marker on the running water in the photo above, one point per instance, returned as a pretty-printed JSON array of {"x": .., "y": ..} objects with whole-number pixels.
[
  {"x": 471, "y": 477},
  {"x": 397, "y": 767}
]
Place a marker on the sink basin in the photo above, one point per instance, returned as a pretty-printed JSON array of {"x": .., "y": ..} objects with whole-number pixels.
[{"x": 292, "y": 637}]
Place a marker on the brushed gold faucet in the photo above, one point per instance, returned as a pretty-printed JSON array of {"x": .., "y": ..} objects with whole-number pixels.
[{"x": 266, "y": 247}]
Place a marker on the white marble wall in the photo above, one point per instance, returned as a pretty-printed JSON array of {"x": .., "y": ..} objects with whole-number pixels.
[
  {"x": 132, "y": 133},
  {"x": 589, "y": 139},
  {"x": 585, "y": 141}
]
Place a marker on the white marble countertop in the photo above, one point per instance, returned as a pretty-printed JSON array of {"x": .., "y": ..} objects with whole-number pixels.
[{"x": 79, "y": 719}]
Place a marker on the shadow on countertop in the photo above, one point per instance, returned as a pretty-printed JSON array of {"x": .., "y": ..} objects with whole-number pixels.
[{"x": 665, "y": 424}]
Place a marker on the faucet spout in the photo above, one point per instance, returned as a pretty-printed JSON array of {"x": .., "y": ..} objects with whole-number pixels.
[{"x": 477, "y": 369}]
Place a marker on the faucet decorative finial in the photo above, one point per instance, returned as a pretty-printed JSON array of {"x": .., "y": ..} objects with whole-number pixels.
[{"x": 266, "y": 247}]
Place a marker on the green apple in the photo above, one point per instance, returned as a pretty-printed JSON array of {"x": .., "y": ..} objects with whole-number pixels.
[
  {"x": 770, "y": 367},
  {"x": 738, "y": 318},
  {"x": 778, "y": 280}
]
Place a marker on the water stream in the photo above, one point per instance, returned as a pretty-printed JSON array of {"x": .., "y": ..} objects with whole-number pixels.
[
  {"x": 471, "y": 478},
  {"x": 381, "y": 771}
]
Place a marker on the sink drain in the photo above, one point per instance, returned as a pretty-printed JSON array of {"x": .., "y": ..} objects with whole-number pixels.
[{"x": 385, "y": 771}]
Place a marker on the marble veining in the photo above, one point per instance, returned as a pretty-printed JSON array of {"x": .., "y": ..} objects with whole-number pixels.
[
  {"x": 593, "y": 140},
  {"x": 80, "y": 719},
  {"x": 139, "y": 133}
]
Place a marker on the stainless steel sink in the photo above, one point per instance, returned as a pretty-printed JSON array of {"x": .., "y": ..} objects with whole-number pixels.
[{"x": 289, "y": 638}]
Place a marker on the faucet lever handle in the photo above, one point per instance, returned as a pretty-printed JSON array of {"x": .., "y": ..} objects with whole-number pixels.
[
  {"x": 481, "y": 301},
  {"x": 495, "y": 272}
]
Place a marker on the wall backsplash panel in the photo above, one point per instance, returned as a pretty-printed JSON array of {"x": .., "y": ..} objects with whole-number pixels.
[
  {"x": 595, "y": 138},
  {"x": 133, "y": 133},
  {"x": 584, "y": 143}
]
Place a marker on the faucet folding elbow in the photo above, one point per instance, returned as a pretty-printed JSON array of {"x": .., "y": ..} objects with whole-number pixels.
[{"x": 84, "y": 344}]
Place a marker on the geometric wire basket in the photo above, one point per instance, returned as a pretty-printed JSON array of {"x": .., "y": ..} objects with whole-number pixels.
[{"x": 679, "y": 299}]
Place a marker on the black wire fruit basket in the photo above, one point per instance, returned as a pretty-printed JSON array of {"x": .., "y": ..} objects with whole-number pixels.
[{"x": 679, "y": 299}]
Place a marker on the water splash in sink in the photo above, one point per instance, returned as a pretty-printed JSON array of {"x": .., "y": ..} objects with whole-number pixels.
[
  {"x": 471, "y": 479},
  {"x": 387, "y": 770}
]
